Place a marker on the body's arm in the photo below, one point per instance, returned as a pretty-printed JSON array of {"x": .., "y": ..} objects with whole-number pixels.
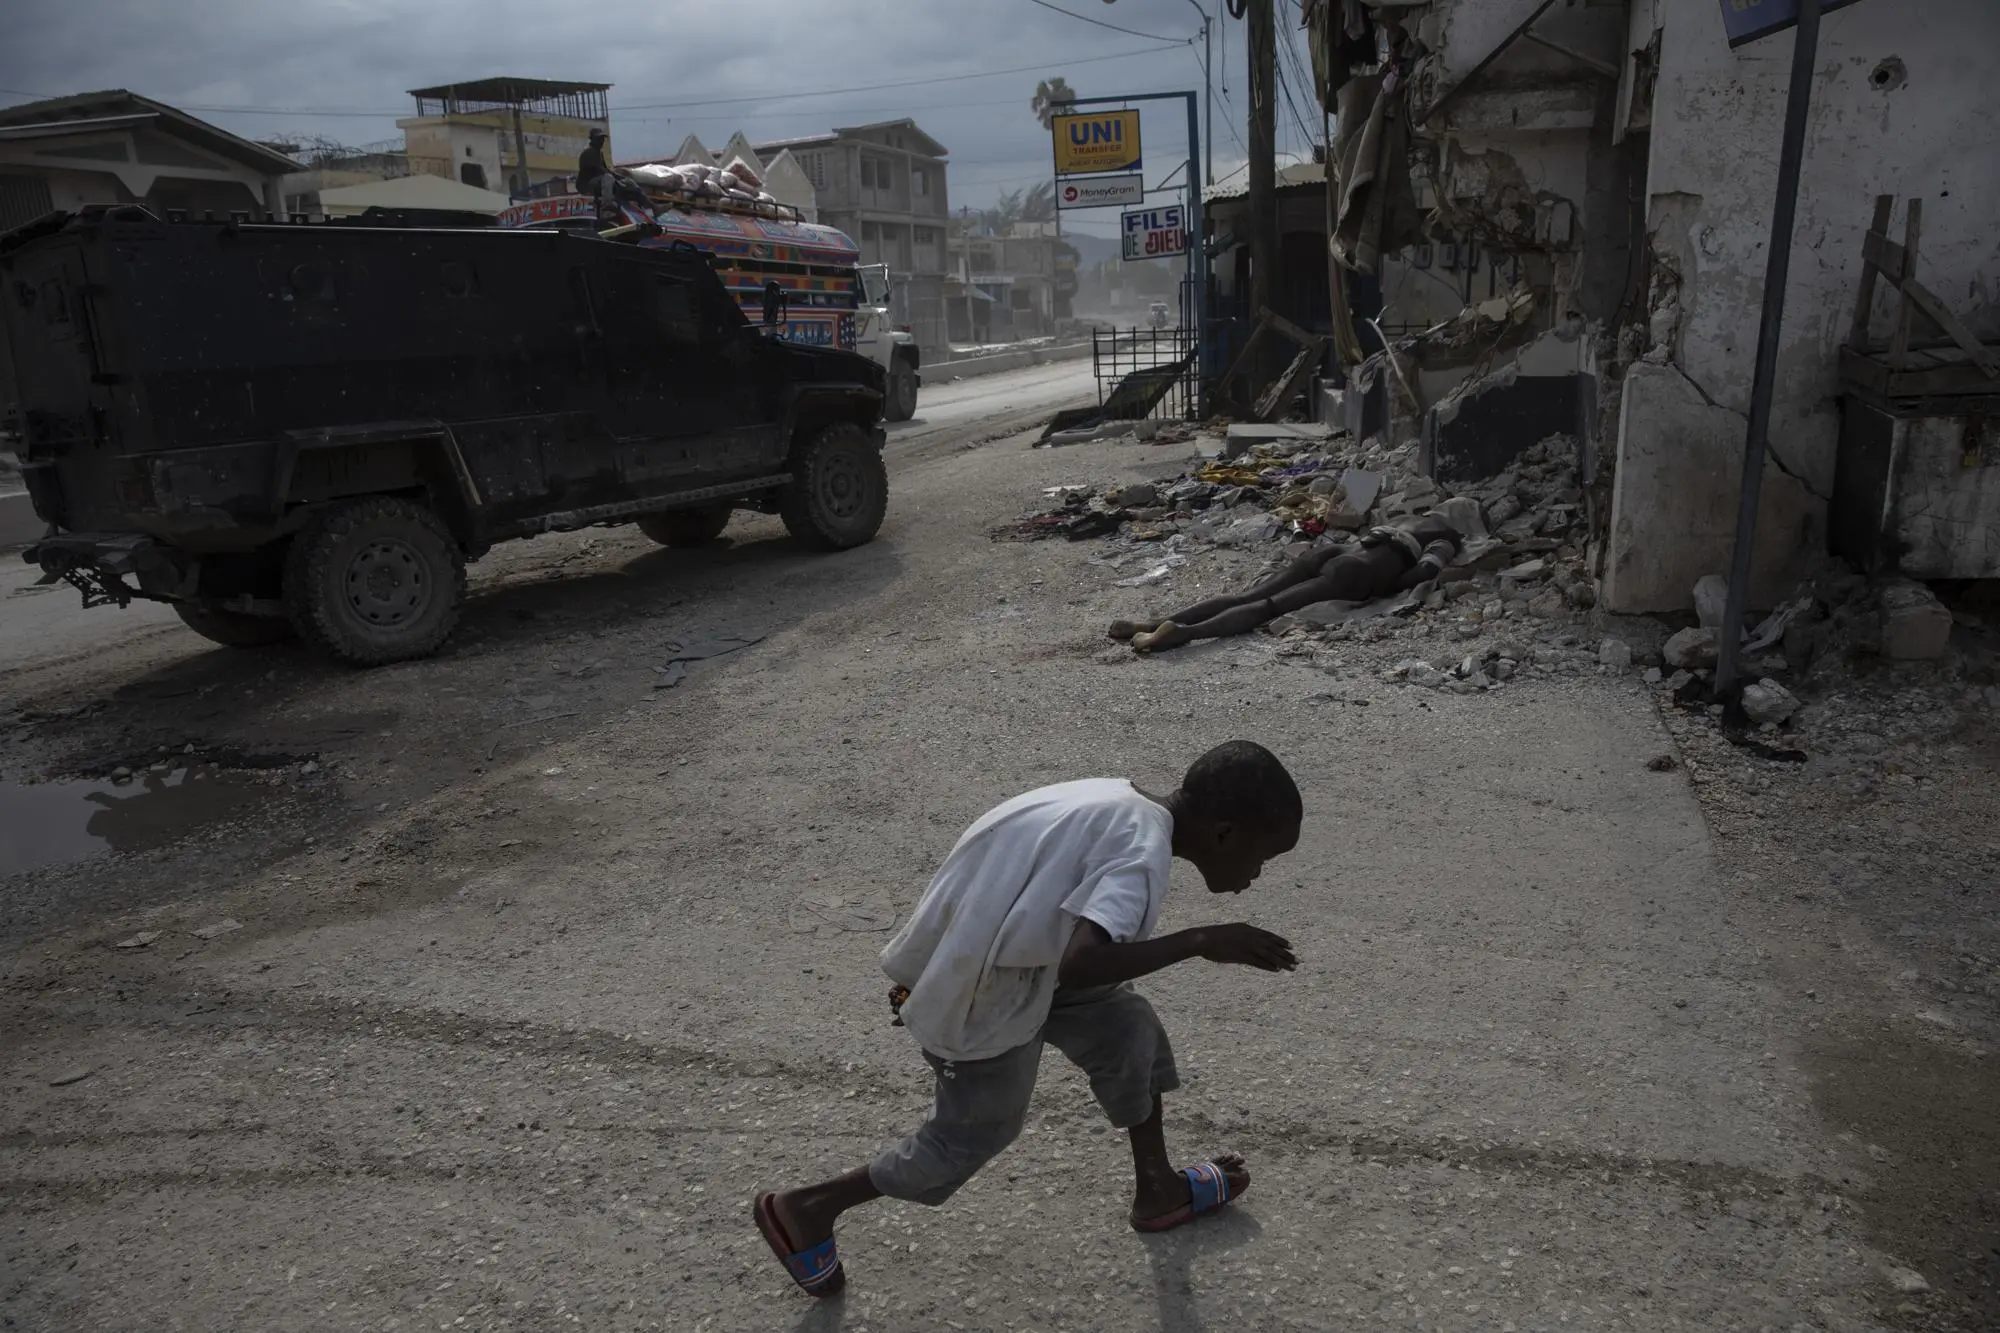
[{"x": 1094, "y": 959}]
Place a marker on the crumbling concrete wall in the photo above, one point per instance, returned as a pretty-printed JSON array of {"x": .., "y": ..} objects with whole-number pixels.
[
  {"x": 1903, "y": 103},
  {"x": 1674, "y": 499}
]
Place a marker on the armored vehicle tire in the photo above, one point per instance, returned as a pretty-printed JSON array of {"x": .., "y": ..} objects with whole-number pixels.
[
  {"x": 233, "y": 629},
  {"x": 901, "y": 404},
  {"x": 375, "y": 580},
  {"x": 839, "y": 490},
  {"x": 682, "y": 528}
]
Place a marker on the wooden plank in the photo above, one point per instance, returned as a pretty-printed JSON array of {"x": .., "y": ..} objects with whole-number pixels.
[
  {"x": 1287, "y": 384},
  {"x": 1881, "y": 252},
  {"x": 1871, "y": 373},
  {"x": 1899, "y": 345},
  {"x": 1242, "y": 360},
  {"x": 1857, "y": 336}
]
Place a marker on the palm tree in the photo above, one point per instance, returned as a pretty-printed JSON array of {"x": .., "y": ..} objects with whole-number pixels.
[
  {"x": 1039, "y": 203},
  {"x": 1051, "y": 96}
]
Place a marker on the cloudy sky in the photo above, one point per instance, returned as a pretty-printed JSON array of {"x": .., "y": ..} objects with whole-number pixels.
[{"x": 964, "y": 69}]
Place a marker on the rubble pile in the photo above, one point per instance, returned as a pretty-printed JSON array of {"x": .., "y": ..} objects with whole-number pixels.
[{"x": 1303, "y": 490}]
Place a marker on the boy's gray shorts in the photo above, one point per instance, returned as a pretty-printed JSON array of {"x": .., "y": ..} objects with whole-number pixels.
[{"x": 1111, "y": 1033}]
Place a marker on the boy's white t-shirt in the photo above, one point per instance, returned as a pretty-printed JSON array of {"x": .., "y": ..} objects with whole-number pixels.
[{"x": 980, "y": 950}]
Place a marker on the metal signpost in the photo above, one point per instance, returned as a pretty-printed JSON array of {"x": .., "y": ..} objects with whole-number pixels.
[
  {"x": 1095, "y": 144},
  {"x": 1755, "y": 18},
  {"x": 1747, "y": 20}
]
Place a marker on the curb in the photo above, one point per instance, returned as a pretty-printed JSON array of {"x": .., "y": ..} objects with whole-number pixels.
[{"x": 19, "y": 523}]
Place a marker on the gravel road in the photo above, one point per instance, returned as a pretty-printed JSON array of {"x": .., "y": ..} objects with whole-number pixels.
[{"x": 484, "y": 992}]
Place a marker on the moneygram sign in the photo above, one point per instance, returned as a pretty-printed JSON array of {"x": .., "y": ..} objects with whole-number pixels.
[
  {"x": 1103, "y": 141},
  {"x": 1101, "y": 192},
  {"x": 1154, "y": 233}
]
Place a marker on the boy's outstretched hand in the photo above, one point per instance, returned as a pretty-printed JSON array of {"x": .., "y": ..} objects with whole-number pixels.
[{"x": 1246, "y": 946}]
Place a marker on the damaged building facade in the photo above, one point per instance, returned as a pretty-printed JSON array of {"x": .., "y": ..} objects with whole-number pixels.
[{"x": 1618, "y": 159}]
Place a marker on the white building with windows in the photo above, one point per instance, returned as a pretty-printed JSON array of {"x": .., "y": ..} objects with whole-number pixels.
[{"x": 885, "y": 186}]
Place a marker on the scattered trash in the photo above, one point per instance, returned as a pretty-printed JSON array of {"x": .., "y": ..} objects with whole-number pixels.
[
  {"x": 674, "y": 670},
  {"x": 1157, "y": 574}
]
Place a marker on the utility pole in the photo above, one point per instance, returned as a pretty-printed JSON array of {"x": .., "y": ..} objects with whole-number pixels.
[
  {"x": 520, "y": 155},
  {"x": 1263, "y": 49},
  {"x": 1207, "y": 88}
]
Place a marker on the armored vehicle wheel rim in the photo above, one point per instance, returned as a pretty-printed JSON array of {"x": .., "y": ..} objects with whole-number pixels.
[
  {"x": 386, "y": 584},
  {"x": 843, "y": 488}
]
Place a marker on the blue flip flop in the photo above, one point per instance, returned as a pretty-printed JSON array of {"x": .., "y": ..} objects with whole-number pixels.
[
  {"x": 1208, "y": 1190},
  {"x": 816, "y": 1270}
]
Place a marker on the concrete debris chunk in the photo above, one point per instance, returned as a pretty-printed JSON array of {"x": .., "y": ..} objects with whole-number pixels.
[
  {"x": 1139, "y": 495},
  {"x": 1768, "y": 701},
  {"x": 139, "y": 941},
  {"x": 1362, "y": 487},
  {"x": 1462, "y": 512},
  {"x": 1526, "y": 571},
  {"x": 1907, "y": 1280},
  {"x": 1915, "y": 624},
  {"x": 1501, "y": 510},
  {"x": 1616, "y": 654},
  {"x": 217, "y": 929},
  {"x": 1711, "y": 600},
  {"x": 1690, "y": 649},
  {"x": 1249, "y": 531}
]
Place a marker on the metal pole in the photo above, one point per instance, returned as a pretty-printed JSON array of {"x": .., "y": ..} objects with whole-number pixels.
[
  {"x": 1262, "y": 46},
  {"x": 1791, "y": 158},
  {"x": 1197, "y": 258},
  {"x": 1197, "y": 224},
  {"x": 520, "y": 154}
]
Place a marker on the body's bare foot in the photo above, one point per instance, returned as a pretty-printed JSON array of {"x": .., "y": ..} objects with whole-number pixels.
[
  {"x": 1151, "y": 639},
  {"x": 1158, "y": 1198},
  {"x": 1125, "y": 629}
]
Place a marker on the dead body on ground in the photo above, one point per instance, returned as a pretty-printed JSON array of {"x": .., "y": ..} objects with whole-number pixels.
[{"x": 1385, "y": 560}]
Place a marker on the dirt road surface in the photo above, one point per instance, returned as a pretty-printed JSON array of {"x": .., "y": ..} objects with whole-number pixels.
[{"x": 485, "y": 992}]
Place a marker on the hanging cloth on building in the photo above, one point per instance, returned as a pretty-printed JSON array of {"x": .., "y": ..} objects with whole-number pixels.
[
  {"x": 1342, "y": 37},
  {"x": 1377, "y": 210}
]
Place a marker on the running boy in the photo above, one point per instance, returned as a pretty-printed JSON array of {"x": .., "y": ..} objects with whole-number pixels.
[{"x": 1028, "y": 934}]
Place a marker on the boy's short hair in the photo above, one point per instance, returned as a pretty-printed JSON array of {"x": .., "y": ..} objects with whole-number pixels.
[{"x": 1243, "y": 783}]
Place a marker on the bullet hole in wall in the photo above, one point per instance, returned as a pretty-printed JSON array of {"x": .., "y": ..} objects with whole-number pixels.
[{"x": 1888, "y": 76}]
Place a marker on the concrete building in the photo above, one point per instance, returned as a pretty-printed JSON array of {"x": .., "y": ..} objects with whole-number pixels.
[
  {"x": 884, "y": 185},
  {"x": 1004, "y": 288},
  {"x": 336, "y": 170},
  {"x": 474, "y": 132},
  {"x": 1616, "y": 162},
  {"x": 120, "y": 148}
]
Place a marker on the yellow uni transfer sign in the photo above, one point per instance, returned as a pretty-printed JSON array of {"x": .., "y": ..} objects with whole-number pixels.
[{"x": 1097, "y": 141}]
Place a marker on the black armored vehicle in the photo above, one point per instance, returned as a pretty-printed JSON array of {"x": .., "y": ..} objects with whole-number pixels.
[{"x": 290, "y": 428}]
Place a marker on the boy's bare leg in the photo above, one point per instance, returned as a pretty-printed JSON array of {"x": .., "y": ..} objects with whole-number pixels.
[
  {"x": 808, "y": 1213},
  {"x": 1159, "y": 1187}
]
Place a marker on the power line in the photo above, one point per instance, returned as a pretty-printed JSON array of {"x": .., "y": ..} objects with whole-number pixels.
[
  {"x": 1100, "y": 23},
  {"x": 696, "y": 100}
]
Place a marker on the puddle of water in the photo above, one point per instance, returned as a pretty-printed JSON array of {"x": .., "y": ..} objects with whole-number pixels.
[{"x": 53, "y": 823}]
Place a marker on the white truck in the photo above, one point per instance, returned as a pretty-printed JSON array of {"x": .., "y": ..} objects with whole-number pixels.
[{"x": 887, "y": 344}]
